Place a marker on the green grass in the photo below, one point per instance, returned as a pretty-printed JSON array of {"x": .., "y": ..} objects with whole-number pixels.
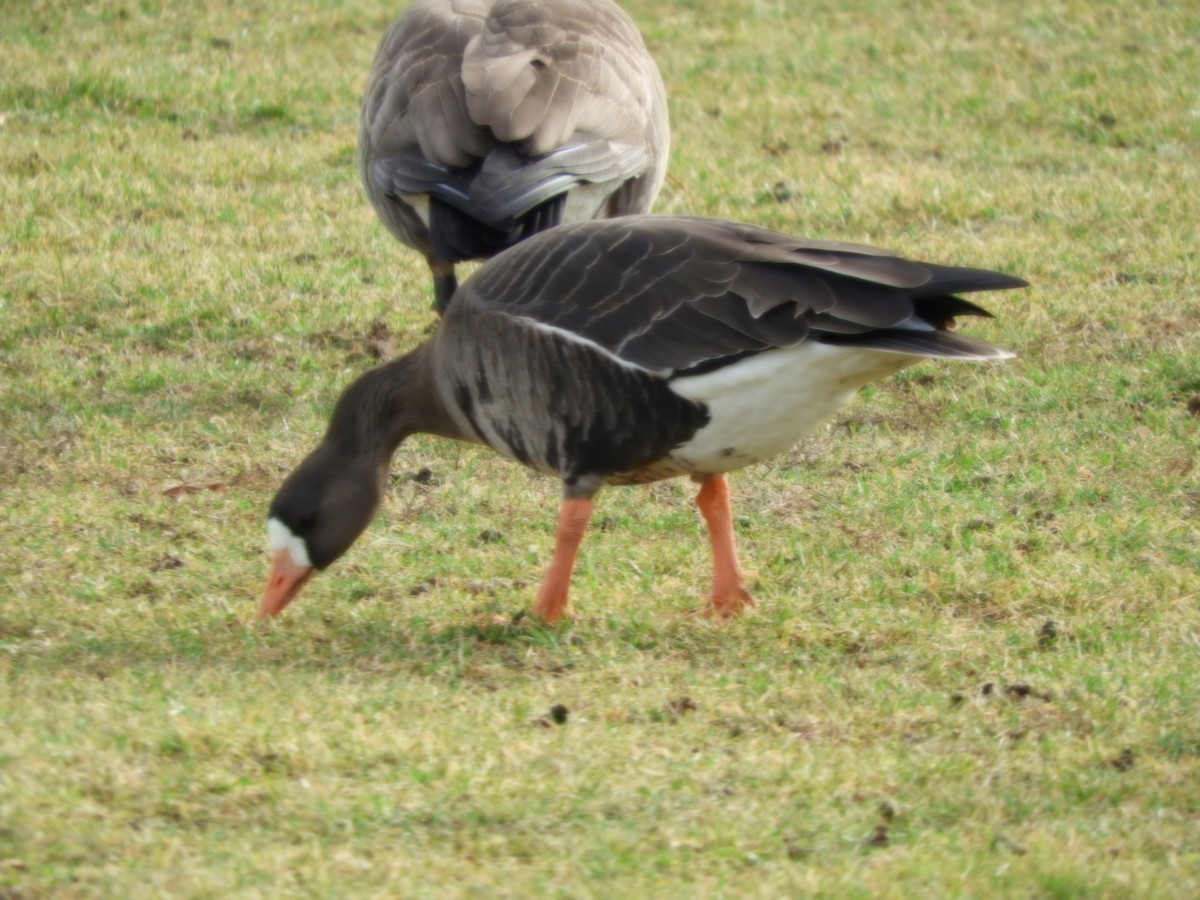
[{"x": 189, "y": 274}]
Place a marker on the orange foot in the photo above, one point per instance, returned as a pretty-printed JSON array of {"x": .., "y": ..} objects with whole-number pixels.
[
  {"x": 728, "y": 604},
  {"x": 550, "y": 612}
]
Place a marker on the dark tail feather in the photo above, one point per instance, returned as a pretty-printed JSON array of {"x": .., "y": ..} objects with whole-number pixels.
[
  {"x": 943, "y": 306},
  {"x": 456, "y": 236},
  {"x": 959, "y": 279}
]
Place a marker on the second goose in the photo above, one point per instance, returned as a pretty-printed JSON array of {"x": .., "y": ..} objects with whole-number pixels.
[{"x": 487, "y": 121}]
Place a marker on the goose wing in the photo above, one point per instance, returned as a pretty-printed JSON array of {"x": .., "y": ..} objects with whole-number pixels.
[
  {"x": 678, "y": 295},
  {"x": 415, "y": 104},
  {"x": 539, "y": 73},
  {"x": 570, "y": 85}
]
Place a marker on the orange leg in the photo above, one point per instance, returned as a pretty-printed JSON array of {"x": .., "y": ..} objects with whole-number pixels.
[
  {"x": 552, "y": 595},
  {"x": 729, "y": 595}
]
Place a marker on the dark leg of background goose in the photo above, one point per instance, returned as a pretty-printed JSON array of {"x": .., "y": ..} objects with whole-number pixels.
[
  {"x": 729, "y": 595},
  {"x": 444, "y": 283},
  {"x": 572, "y": 523}
]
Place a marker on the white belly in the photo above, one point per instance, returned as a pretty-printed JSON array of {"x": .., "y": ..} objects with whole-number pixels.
[{"x": 763, "y": 405}]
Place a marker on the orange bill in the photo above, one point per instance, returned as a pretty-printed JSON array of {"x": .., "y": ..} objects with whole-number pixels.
[{"x": 286, "y": 579}]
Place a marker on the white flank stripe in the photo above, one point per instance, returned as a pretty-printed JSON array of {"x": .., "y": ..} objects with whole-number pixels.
[{"x": 588, "y": 342}]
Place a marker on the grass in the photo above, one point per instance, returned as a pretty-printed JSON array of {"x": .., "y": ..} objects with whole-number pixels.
[{"x": 974, "y": 670}]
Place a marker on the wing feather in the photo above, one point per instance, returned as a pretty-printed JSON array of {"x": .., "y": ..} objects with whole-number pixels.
[{"x": 674, "y": 293}]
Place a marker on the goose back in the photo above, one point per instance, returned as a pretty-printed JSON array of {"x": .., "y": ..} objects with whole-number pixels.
[
  {"x": 676, "y": 294},
  {"x": 486, "y": 121}
]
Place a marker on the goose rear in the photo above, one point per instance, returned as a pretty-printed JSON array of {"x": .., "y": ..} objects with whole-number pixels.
[
  {"x": 487, "y": 121},
  {"x": 623, "y": 352}
]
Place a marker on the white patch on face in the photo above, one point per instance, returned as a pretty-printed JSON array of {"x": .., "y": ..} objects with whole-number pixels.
[{"x": 280, "y": 537}]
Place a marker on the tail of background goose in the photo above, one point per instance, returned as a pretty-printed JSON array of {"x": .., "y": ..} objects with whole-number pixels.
[
  {"x": 508, "y": 197},
  {"x": 935, "y": 307},
  {"x": 458, "y": 235}
]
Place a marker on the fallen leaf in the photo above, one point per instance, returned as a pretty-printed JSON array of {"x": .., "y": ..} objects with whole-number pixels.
[
  {"x": 179, "y": 491},
  {"x": 878, "y": 838},
  {"x": 1123, "y": 761},
  {"x": 681, "y": 705},
  {"x": 379, "y": 342},
  {"x": 1009, "y": 844},
  {"x": 1019, "y": 691},
  {"x": 167, "y": 561},
  {"x": 1048, "y": 634}
]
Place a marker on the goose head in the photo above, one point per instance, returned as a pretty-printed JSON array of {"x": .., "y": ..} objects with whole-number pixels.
[
  {"x": 317, "y": 514},
  {"x": 327, "y": 502}
]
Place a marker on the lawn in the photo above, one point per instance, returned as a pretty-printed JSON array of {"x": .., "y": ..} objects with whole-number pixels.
[{"x": 975, "y": 667}]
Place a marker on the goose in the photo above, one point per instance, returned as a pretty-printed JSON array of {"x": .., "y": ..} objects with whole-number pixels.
[
  {"x": 621, "y": 352},
  {"x": 487, "y": 121}
]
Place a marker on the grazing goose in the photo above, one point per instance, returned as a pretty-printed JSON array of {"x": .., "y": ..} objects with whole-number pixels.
[
  {"x": 486, "y": 121},
  {"x": 623, "y": 352}
]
